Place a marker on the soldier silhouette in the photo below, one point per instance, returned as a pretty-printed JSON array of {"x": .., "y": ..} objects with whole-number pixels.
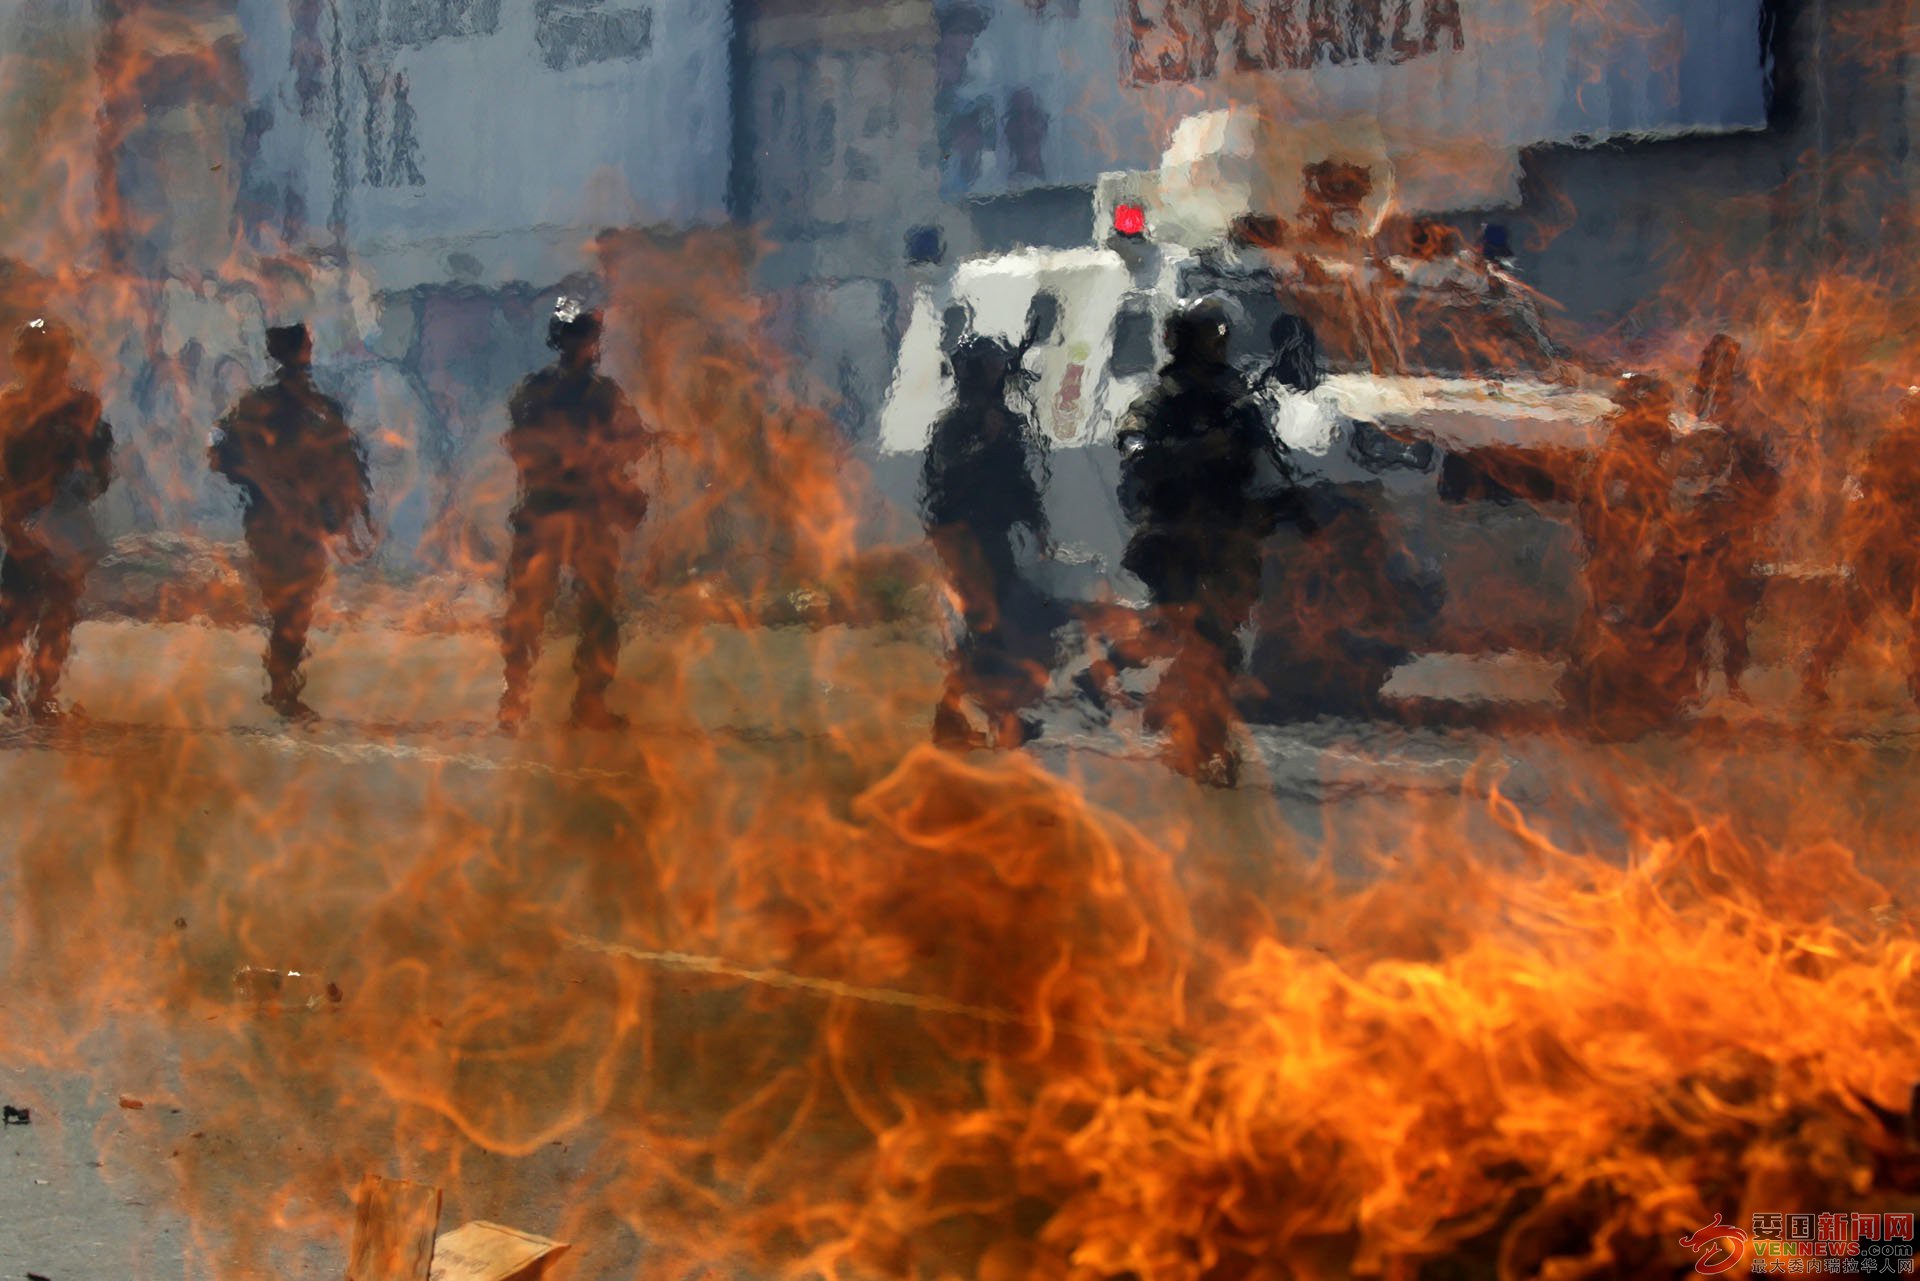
[
  {"x": 1880, "y": 539},
  {"x": 1633, "y": 664},
  {"x": 56, "y": 458},
  {"x": 1194, "y": 450},
  {"x": 303, "y": 483},
  {"x": 574, "y": 438},
  {"x": 985, "y": 473},
  {"x": 1731, "y": 515}
]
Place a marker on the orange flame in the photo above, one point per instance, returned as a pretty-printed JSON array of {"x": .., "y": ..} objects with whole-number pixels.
[{"x": 770, "y": 985}]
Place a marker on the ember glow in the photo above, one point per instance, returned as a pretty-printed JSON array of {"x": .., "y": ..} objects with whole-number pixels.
[{"x": 1595, "y": 961}]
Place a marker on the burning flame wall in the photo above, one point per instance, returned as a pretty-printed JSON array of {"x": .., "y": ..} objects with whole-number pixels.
[
  {"x": 967, "y": 1024},
  {"x": 793, "y": 992}
]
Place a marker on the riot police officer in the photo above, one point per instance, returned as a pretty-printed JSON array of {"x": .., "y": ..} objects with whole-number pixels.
[
  {"x": 302, "y": 476},
  {"x": 56, "y": 457},
  {"x": 982, "y": 482},
  {"x": 1343, "y": 600},
  {"x": 1193, "y": 449},
  {"x": 574, "y": 439}
]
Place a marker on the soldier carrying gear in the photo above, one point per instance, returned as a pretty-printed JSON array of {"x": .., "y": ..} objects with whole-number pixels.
[
  {"x": 303, "y": 482},
  {"x": 56, "y": 457},
  {"x": 985, "y": 474},
  {"x": 1731, "y": 512},
  {"x": 574, "y": 438},
  {"x": 1880, "y": 536},
  {"x": 1192, "y": 451},
  {"x": 1632, "y": 665}
]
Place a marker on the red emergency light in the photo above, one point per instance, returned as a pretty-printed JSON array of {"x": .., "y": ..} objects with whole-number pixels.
[{"x": 1129, "y": 220}]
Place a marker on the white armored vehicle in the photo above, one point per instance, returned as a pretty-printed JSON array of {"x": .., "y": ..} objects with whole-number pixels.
[{"x": 1428, "y": 347}]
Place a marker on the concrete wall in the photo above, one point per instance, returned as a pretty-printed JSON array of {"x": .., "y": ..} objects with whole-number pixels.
[
  {"x": 477, "y": 140},
  {"x": 1046, "y": 92},
  {"x": 839, "y": 159},
  {"x": 48, "y": 95},
  {"x": 1832, "y": 180},
  {"x": 416, "y": 181}
]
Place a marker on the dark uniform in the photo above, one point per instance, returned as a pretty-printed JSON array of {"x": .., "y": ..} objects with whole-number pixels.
[
  {"x": 1732, "y": 514},
  {"x": 1342, "y": 599},
  {"x": 1881, "y": 541},
  {"x": 56, "y": 457},
  {"x": 1633, "y": 665},
  {"x": 574, "y": 437},
  {"x": 983, "y": 478},
  {"x": 1193, "y": 449},
  {"x": 303, "y": 481}
]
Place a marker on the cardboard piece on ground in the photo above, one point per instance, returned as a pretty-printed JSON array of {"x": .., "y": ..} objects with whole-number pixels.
[
  {"x": 481, "y": 1251},
  {"x": 393, "y": 1229}
]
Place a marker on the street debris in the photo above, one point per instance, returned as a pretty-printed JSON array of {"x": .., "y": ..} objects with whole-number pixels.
[
  {"x": 393, "y": 1229},
  {"x": 266, "y": 988},
  {"x": 393, "y": 1240},
  {"x": 481, "y": 1251},
  {"x": 11, "y": 1115},
  {"x": 131, "y": 1104}
]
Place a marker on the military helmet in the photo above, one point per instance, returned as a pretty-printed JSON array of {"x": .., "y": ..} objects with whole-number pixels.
[
  {"x": 980, "y": 358},
  {"x": 1204, "y": 320},
  {"x": 288, "y": 344},
  {"x": 43, "y": 342},
  {"x": 1645, "y": 406},
  {"x": 572, "y": 323},
  {"x": 1636, "y": 388}
]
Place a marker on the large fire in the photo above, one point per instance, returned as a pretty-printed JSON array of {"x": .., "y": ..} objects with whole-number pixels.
[{"x": 768, "y": 985}]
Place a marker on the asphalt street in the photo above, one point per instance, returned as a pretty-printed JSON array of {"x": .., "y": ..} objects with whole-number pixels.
[{"x": 179, "y": 833}]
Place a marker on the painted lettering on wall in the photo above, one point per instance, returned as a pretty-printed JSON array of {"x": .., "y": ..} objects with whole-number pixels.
[
  {"x": 392, "y": 151},
  {"x": 575, "y": 33},
  {"x": 414, "y": 23},
  {"x": 1183, "y": 41}
]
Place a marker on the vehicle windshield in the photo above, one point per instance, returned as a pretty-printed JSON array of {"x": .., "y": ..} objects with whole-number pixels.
[
  {"x": 1133, "y": 340},
  {"x": 1388, "y": 325}
]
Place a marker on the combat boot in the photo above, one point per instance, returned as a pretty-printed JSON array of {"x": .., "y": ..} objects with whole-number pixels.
[
  {"x": 959, "y": 724},
  {"x": 513, "y": 709},
  {"x": 1221, "y": 769},
  {"x": 47, "y": 711},
  {"x": 592, "y": 713},
  {"x": 283, "y": 696},
  {"x": 290, "y": 707}
]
